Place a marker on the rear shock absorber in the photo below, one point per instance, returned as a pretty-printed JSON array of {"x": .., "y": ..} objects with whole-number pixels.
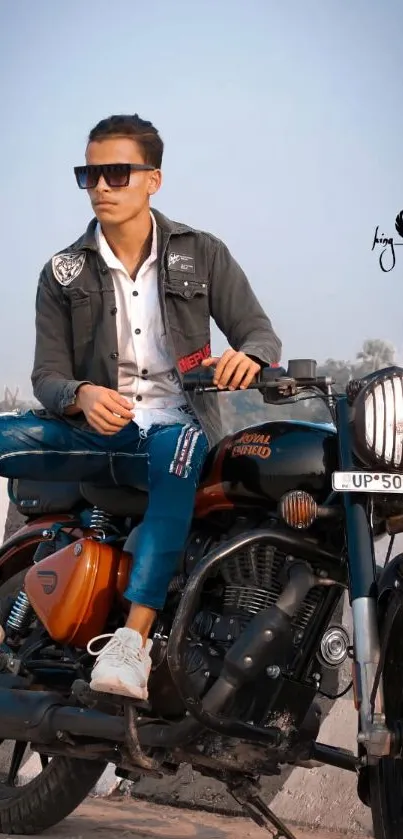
[
  {"x": 22, "y": 612},
  {"x": 100, "y": 523}
]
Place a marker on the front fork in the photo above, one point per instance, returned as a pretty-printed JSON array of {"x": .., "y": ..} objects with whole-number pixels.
[{"x": 374, "y": 734}]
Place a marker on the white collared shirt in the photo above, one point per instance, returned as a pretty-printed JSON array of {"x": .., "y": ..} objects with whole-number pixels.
[{"x": 146, "y": 369}]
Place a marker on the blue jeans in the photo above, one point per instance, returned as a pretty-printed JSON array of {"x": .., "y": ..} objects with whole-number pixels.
[{"x": 168, "y": 459}]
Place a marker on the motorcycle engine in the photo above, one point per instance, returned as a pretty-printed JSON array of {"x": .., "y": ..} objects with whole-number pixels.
[{"x": 250, "y": 581}]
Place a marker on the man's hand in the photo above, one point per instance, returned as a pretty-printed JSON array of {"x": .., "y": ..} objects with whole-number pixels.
[
  {"x": 105, "y": 410},
  {"x": 234, "y": 370}
]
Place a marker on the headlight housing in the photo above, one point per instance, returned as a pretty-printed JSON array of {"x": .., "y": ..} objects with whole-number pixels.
[{"x": 378, "y": 420}]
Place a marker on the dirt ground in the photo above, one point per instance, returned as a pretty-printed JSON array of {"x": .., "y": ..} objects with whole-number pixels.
[{"x": 129, "y": 819}]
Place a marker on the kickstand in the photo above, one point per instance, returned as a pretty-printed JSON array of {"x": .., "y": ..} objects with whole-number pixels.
[
  {"x": 132, "y": 741},
  {"x": 246, "y": 794}
]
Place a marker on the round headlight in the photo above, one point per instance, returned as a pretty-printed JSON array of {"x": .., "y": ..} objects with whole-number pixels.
[{"x": 378, "y": 420}]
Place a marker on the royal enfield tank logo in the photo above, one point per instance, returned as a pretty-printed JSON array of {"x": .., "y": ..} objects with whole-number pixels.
[
  {"x": 256, "y": 445},
  {"x": 48, "y": 581},
  {"x": 67, "y": 267},
  {"x": 386, "y": 245}
]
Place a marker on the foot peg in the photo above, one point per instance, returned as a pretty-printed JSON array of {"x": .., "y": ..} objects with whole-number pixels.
[
  {"x": 91, "y": 698},
  {"x": 246, "y": 794},
  {"x": 111, "y": 702}
]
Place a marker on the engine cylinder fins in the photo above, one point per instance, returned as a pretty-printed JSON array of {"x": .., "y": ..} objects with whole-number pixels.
[
  {"x": 253, "y": 582},
  {"x": 298, "y": 509}
]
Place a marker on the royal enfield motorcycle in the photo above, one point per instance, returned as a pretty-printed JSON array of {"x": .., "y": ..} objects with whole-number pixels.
[{"x": 285, "y": 521}]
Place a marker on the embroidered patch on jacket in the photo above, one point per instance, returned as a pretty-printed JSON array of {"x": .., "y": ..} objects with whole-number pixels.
[
  {"x": 181, "y": 263},
  {"x": 189, "y": 362},
  {"x": 68, "y": 266},
  {"x": 182, "y": 460}
]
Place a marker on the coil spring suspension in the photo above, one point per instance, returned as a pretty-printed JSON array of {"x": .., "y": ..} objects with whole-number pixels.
[
  {"x": 22, "y": 612},
  {"x": 20, "y": 615},
  {"x": 100, "y": 522}
]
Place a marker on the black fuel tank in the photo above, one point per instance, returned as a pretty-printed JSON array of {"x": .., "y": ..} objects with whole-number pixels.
[{"x": 265, "y": 461}]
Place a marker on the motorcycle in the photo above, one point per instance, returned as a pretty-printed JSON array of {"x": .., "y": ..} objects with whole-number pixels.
[{"x": 285, "y": 521}]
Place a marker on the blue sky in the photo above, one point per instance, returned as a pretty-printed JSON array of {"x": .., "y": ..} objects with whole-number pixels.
[{"x": 283, "y": 127}]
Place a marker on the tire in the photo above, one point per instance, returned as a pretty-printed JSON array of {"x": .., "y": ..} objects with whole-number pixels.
[
  {"x": 58, "y": 789},
  {"x": 50, "y": 797},
  {"x": 386, "y": 778}
]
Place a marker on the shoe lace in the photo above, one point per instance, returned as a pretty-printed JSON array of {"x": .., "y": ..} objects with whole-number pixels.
[{"x": 115, "y": 649}]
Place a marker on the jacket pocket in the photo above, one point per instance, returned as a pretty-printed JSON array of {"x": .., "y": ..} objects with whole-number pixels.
[
  {"x": 187, "y": 303},
  {"x": 81, "y": 316}
]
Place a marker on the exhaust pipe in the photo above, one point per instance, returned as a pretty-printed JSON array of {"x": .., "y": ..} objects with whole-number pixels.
[{"x": 40, "y": 716}]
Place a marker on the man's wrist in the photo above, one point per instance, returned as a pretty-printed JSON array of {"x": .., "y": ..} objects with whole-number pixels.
[
  {"x": 255, "y": 359},
  {"x": 80, "y": 392}
]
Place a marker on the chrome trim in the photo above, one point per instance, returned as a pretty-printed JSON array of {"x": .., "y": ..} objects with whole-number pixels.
[{"x": 366, "y": 653}]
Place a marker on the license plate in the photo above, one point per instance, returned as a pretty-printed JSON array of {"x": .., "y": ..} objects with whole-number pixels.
[{"x": 367, "y": 482}]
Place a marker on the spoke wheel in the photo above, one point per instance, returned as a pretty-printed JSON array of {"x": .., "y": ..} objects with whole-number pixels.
[
  {"x": 37, "y": 792},
  {"x": 18, "y": 766},
  {"x": 386, "y": 778}
]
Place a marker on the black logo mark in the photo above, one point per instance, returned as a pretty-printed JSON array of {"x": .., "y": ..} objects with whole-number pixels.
[
  {"x": 49, "y": 582},
  {"x": 387, "y": 256}
]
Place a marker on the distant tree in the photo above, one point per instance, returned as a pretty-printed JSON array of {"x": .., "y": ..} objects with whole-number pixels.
[
  {"x": 375, "y": 355},
  {"x": 11, "y": 402},
  {"x": 339, "y": 371}
]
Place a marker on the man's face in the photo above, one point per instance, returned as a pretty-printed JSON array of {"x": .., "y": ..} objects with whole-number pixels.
[{"x": 117, "y": 205}]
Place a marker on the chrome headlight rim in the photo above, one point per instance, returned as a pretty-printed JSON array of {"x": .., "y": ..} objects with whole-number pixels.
[{"x": 377, "y": 421}]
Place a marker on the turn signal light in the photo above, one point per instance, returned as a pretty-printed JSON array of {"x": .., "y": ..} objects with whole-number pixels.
[{"x": 298, "y": 509}]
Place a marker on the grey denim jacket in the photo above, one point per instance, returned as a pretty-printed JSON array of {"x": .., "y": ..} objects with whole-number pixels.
[{"x": 76, "y": 335}]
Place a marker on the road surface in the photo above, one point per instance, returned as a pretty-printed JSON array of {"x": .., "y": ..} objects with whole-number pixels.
[{"x": 98, "y": 819}]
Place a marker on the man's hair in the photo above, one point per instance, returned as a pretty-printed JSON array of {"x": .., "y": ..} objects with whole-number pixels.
[{"x": 140, "y": 130}]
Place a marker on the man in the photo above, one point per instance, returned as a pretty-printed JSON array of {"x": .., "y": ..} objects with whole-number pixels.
[{"x": 121, "y": 315}]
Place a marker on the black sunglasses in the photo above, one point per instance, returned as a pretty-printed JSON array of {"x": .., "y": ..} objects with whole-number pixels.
[{"x": 115, "y": 174}]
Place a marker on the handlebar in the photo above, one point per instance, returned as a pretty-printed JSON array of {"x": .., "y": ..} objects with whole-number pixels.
[{"x": 301, "y": 373}]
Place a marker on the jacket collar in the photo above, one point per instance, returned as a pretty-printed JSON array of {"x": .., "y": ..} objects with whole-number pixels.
[{"x": 168, "y": 227}]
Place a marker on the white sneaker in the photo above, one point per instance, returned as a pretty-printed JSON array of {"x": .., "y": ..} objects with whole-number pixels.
[{"x": 123, "y": 665}]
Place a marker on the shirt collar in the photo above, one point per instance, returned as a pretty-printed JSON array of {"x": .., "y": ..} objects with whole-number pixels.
[{"x": 107, "y": 253}]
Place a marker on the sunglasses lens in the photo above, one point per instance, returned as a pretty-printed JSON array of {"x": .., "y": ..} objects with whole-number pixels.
[
  {"x": 87, "y": 176},
  {"x": 116, "y": 174}
]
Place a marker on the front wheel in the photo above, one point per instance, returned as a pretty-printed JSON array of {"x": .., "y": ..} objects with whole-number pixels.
[
  {"x": 386, "y": 778},
  {"x": 29, "y": 805}
]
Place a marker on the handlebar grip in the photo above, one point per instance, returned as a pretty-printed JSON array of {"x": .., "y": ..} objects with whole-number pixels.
[
  {"x": 202, "y": 377},
  {"x": 199, "y": 377}
]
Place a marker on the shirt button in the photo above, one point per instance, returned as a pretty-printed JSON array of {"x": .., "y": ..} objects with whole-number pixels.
[
  {"x": 187, "y": 292},
  {"x": 144, "y": 372},
  {"x": 114, "y": 355},
  {"x": 138, "y": 398},
  {"x": 137, "y": 331},
  {"x": 114, "y": 310},
  {"x": 104, "y": 269},
  {"x": 135, "y": 293}
]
